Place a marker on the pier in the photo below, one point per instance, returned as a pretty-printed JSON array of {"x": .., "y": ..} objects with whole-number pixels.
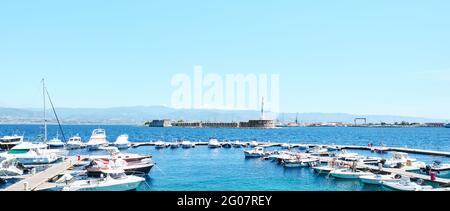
[{"x": 32, "y": 182}]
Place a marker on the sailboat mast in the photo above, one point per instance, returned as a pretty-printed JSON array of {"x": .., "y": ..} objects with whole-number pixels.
[{"x": 45, "y": 118}]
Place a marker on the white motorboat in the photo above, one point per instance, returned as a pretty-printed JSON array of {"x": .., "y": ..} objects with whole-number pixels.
[
  {"x": 364, "y": 160},
  {"x": 285, "y": 146},
  {"x": 74, "y": 143},
  {"x": 55, "y": 142},
  {"x": 29, "y": 153},
  {"x": 380, "y": 149},
  {"x": 405, "y": 184},
  {"x": 237, "y": 144},
  {"x": 323, "y": 169},
  {"x": 318, "y": 151},
  {"x": 187, "y": 144},
  {"x": 214, "y": 143},
  {"x": 254, "y": 144},
  {"x": 115, "y": 180},
  {"x": 160, "y": 145},
  {"x": 302, "y": 162},
  {"x": 122, "y": 142},
  {"x": 10, "y": 167},
  {"x": 8, "y": 142},
  {"x": 378, "y": 179},
  {"x": 345, "y": 155},
  {"x": 281, "y": 155},
  {"x": 402, "y": 160},
  {"x": 348, "y": 173},
  {"x": 97, "y": 140},
  {"x": 255, "y": 152}
]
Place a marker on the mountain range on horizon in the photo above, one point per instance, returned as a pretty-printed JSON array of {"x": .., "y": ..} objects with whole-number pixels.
[{"x": 140, "y": 114}]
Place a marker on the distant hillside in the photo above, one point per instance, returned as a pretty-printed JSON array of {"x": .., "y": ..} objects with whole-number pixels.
[{"x": 139, "y": 114}]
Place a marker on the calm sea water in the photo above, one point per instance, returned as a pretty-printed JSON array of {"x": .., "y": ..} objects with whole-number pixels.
[{"x": 202, "y": 168}]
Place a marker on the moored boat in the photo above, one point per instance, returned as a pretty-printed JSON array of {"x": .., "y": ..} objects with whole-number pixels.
[
  {"x": 405, "y": 184},
  {"x": 378, "y": 179},
  {"x": 8, "y": 142},
  {"x": 115, "y": 180},
  {"x": 187, "y": 144},
  {"x": 214, "y": 143},
  {"x": 122, "y": 142},
  {"x": 97, "y": 140},
  {"x": 74, "y": 142},
  {"x": 255, "y": 152},
  {"x": 348, "y": 173},
  {"x": 29, "y": 153}
]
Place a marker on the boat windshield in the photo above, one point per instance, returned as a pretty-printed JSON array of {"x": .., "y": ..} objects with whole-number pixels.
[{"x": 117, "y": 175}]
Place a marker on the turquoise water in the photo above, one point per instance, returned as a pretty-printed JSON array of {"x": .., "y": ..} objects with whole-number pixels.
[{"x": 202, "y": 168}]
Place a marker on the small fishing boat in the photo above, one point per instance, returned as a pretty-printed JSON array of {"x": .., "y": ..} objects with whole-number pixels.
[
  {"x": 301, "y": 162},
  {"x": 187, "y": 144},
  {"x": 175, "y": 145},
  {"x": 378, "y": 179},
  {"x": 323, "y": 169},
  {"x": 10, "y": 167},
  {"x": 318, "y": 151},
  {"x": 74, "y": 142},
  {"x": 380, "y": 149},
  {"x": 214, "y": 143},
  {"x": 442, "y": 169},
  {"x": 344, "y": 155},
  {"x": 403, "y": 161},
  {"x": 115, "y": 180},
  {"x": 405, "y": 184},
  {"x": 8, "y": 142},
  {"x": 160, "y": 145},
  {"x": 364, "y": 160},
  {"x": 226, "y": 144},
  {"x": 348, "y": 173},
  {"x": 333, "y": 148},
  {"x": 122, "y": 142},
  {"x": 97, "y": 140},
  {"x": 255, "y": 152}
]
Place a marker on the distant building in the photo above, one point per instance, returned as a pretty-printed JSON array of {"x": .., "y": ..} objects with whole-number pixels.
[
  {"x": 262, "y": 123},
  {"x": 434, "y": 124},
  {"x": 187, "y": 124},
  {"x": 160, "y": 123}
]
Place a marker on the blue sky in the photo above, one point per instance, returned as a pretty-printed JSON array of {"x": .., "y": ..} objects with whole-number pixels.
[{"x": 359, "y": 57}]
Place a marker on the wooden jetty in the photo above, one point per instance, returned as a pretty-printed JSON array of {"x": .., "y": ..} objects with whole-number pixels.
[{"x": 34, "y": 181}]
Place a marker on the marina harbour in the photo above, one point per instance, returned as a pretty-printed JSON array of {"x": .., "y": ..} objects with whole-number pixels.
[{"x": 212, "y": 159}]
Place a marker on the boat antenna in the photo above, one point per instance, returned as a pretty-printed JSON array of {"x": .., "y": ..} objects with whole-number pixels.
[
  {"x": 56, "y": 115},
  {"x": 45, "y": 118}
]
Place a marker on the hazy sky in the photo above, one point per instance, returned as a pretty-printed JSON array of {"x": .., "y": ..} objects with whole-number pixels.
[{"x": 359, "y": 57}]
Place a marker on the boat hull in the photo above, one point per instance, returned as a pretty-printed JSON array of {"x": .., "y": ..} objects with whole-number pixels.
[
  {"x": 129, "y": 171},
  {"x": 114, "y": 187}
]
